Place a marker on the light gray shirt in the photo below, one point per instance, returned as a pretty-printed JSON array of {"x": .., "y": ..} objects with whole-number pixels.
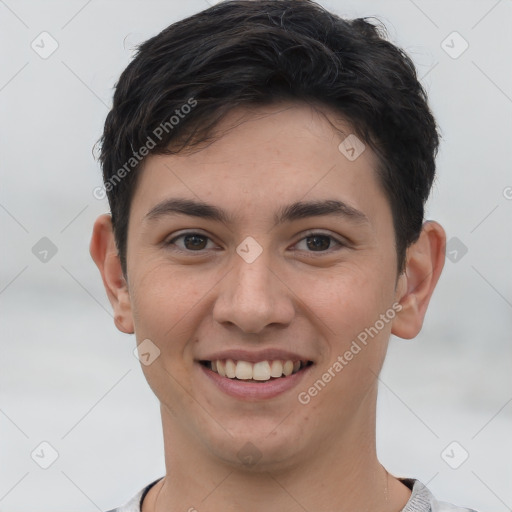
[{"x": 421, "y": 500}]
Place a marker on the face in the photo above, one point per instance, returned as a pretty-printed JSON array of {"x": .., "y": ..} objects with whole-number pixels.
[{"x": 287, "y": 264}]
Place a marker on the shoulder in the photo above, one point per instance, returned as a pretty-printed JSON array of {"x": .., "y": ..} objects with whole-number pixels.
[
  {"x": 447, "y": 507},
  {"x": 135, "y": 503},
  {"x": 422, "y": 500}
]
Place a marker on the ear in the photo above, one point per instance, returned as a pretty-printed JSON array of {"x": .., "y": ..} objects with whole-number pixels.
[
  {"x": 104, "y": 253},
  {"x": 425, "y": 261}
]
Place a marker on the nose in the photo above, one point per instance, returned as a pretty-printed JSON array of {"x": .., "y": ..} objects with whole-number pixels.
[{"x": 253, "y": 296}]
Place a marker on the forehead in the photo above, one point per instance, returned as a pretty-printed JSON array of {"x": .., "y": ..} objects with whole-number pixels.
[{"x": 263, "y": 156}]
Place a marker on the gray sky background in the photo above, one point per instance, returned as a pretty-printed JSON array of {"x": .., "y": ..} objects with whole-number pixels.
[{"x": 69, "y": 378}]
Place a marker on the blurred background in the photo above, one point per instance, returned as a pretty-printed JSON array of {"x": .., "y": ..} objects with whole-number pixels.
[{"x": 79, "y": 427}]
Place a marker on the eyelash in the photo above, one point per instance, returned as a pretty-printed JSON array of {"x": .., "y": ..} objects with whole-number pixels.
[{"x": 311, "y": 234}]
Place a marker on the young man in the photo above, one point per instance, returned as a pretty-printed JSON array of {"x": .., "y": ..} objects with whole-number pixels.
[{"x": 267, "y": 165}]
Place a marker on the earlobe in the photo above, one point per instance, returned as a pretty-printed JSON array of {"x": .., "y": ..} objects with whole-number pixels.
[
  {"x": 104, "y": 253},
  {"x": 425, "y": 261}
]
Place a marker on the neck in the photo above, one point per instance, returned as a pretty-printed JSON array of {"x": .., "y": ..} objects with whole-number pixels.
[{"x": 344, "y": 475}]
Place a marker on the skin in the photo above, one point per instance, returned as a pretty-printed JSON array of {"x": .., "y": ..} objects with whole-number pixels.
[{"x": 320, "y": 456}]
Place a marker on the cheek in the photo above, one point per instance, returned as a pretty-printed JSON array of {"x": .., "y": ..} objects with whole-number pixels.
[
  {"x": 165, "y": 301},
  {"x": 166, "y": 305},
  {"x": 347, "y": 300},
  {"x": 346, "y": 379}
]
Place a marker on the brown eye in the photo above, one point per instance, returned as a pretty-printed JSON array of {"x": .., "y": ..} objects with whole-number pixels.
[
  {"x": 190, "y": 242},
  {"x": 194, "y": 242},
  {"x": 318, "y": 242}
]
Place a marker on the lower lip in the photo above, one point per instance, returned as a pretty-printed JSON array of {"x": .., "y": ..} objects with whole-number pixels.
[{"x": 255, "y": 390}]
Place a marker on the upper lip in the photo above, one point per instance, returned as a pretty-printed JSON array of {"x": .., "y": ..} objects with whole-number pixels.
[{"x": 269, "y": 354}]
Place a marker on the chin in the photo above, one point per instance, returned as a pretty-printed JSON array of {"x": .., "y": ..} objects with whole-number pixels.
[{"x": 264, "y": 447}]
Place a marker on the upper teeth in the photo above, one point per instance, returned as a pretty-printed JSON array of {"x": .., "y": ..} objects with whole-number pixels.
[{"x": 262, "y": 370}]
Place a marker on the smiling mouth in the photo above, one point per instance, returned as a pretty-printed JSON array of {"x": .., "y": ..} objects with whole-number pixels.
[{"x": 262, "y": 371}]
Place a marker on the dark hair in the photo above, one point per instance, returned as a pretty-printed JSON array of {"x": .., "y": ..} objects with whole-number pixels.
[{"x": 255, "y": 52}]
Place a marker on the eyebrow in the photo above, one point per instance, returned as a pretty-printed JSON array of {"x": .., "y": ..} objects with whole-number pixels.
[{"x": 289, "y": 213}]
